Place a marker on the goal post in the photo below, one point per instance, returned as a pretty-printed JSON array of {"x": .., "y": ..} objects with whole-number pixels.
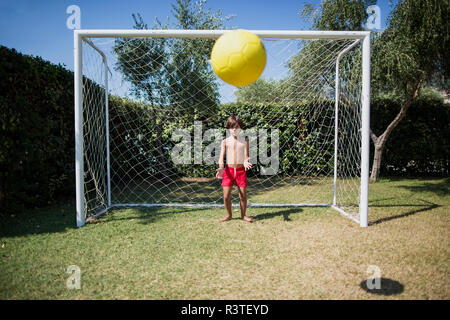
[{"x": 137, "y": 93}]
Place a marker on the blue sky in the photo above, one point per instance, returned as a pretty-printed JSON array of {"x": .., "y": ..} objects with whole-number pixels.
[{"x": 39, "y": 28}]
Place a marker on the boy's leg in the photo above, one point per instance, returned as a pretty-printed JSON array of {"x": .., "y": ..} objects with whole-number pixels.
[
  {"x": 243, "y": 203},
  {"x": 227, "y": 202}
]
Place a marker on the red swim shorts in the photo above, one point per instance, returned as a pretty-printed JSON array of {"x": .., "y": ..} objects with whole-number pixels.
[{"x": 234, "y": 174}]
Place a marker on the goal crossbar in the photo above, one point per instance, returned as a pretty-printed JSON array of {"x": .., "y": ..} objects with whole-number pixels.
[{"x": 214, "y": 34}]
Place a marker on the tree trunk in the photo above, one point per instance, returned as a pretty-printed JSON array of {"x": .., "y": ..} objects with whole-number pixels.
[
  {"x": 379, "y": 147},
  {"x": 380, "y": 142}
]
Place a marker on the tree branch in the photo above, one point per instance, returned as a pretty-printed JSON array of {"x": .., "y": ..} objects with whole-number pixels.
[
  {"x": 373, "y": 137},
  {"x": 402, "y": 112}
]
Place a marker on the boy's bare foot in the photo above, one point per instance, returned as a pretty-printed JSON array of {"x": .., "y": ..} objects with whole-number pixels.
[
  {"x": 225, "y": 219},
  {"x": 248, "y": 219}
]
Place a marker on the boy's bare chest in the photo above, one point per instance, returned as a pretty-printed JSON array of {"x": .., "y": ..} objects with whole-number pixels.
[{"x": 235, "y": 145}]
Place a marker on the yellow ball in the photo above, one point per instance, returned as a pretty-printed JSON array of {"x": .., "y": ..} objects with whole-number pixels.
[{"x": 238, "y": 57}]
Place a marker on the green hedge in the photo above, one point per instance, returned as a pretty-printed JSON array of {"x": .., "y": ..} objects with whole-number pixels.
[
  {"x": 36, "y": 129},
  {"x": 135, "y": 157}
]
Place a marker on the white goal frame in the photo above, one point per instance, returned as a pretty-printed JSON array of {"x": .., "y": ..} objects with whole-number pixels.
[{"x": 358, "y": 36}]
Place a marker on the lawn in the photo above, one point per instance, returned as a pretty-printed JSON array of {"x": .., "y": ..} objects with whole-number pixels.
[{"x": 287, "y": 253}]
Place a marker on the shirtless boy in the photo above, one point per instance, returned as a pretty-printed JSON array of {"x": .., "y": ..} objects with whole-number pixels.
[{"x": 236, "y": 149}]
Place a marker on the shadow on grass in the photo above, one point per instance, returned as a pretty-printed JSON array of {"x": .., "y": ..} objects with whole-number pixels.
[
  {"x": 440, "y": 189},
  {"x": 146, "y": 215},
  {"x": 201, "y": 191},
  {"x": 61, "y": 218},
  {"x": 382, "y": 286},
  {"x": 57, "y": 218},
  {"x": 151, "y": 215},
  {"x": 427, "y": 207},
  {"x": 285, "y": 213}
]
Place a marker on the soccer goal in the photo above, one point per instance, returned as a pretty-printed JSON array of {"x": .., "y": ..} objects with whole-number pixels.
[{"x": 150, "y": 116}]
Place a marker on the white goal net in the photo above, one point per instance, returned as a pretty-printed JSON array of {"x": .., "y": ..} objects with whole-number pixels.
[{"x": 150, "y": 117}]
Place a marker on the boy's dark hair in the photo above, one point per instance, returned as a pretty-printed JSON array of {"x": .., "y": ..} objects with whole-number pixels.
[{"x": 234, "y": 121}]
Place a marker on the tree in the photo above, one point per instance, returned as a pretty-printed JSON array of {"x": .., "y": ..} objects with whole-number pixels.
[
  {"x": 143, "y": 62},
  {"x": 192, "y": 81},
  {"x": 408, "y": 54}
]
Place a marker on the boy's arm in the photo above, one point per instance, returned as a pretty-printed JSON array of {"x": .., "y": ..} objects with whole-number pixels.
[
  {"x": 222, "y": 154},
  {"x": 247, "y": 148},
  {"x": 247, "y": 163},
  {"x": 219, "y": 171}
]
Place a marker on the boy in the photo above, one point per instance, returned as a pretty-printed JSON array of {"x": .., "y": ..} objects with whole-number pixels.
[{"x": 236, "y": 149}]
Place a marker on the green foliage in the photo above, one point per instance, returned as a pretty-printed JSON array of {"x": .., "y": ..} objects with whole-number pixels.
[
  {"x": 420, "y": 145},
  {"x": 143, "y": 62},
  {"x": 414, "y": 48},
  {"x": 261, "y": 91},
  {"x": 337, "y": 14},
  {"x": 143, "y": 150},
  {"x": 36, "y": 130},
  {"x": 195, "y": 91}
]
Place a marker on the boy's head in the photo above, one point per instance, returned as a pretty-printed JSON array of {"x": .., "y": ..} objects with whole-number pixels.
[
  {"x": 234, "y": 122},
  {"x": 234, "y": 125}
]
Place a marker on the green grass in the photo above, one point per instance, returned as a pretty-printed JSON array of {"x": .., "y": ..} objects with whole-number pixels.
[{"x": 287, "y": 253}]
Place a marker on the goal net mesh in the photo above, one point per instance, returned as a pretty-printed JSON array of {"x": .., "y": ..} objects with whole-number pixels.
[{"x": 160, "y": 108}]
